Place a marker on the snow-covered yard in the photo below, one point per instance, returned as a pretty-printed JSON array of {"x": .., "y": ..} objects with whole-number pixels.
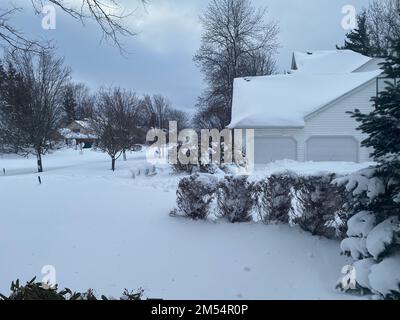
[{"x": 108, "y": 231}]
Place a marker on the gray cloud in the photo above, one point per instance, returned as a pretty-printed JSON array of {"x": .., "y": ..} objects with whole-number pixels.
[{"x": 169, "y": 34}]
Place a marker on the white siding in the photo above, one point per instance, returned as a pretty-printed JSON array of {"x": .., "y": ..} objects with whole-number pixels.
[{"x": 331, "y": 121}]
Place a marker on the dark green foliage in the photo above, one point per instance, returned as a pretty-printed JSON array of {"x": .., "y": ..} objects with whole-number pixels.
[
  {"x": 358, "y": 40},
  {"x": 377, "y": 190},
  {"x": 39, "y": 291},
  {"x": 69, "y": 104},
  {"x": 383, "y": 131},
  {"x": 235, "y": 198}
]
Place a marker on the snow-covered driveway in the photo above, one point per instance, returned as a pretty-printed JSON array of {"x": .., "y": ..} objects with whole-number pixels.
[{"x": 107, "y": 231}]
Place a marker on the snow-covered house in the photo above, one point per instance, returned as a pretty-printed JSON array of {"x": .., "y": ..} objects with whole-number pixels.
[
  {"x": 303, "y": 115},
  {"x": 79, "y": 132}
]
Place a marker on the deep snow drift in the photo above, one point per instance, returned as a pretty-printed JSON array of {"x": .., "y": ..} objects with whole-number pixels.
[{"x": 108, "y": 231}]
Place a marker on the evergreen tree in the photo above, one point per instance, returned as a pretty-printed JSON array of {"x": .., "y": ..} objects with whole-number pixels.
[
  {"x": 69, "y": 104},
  {"x": 358, "y": 40},
  {"x": 374, "y": 229}
]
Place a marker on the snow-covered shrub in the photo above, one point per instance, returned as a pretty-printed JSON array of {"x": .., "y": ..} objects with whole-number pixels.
[
  {"x": 235, "y": 198},
  {"x": 318, "y": 206},
  {"x": 355, "y": 247},
  {"x": 185, "y": 168},
  {"x": 361, "y": 224},
  {"x": 384, "y": 277},
  {"x": 40, "y": 291},
  {"x": 383, "y": 237},
  {"x": 373, "y": 233},
  {"x": 274, "y": 197},
  {"x": 363, "y": 270},
  {"x": 195, "y": 195}
]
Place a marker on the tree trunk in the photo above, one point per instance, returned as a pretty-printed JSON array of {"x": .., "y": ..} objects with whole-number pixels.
[
  {"x": 124, "y": 155},
  {"x": 39, "y": 161},
  {"x": 113, "y": 164}
]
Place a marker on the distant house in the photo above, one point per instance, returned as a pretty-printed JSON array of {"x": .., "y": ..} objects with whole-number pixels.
[
  {"x": 79, "y": 132},
  {"x": 302, "y": 115}
]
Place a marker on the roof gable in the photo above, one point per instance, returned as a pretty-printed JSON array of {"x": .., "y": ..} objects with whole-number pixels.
[{"x": 328, "y": 62}]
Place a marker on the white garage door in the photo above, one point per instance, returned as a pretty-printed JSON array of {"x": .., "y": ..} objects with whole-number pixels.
[
  {"x": 269, "y": 149},
  {"x": 332, "y": 149}
]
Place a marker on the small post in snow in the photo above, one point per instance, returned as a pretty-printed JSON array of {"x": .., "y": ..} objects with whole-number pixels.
[{"x": 40, "y": 180}]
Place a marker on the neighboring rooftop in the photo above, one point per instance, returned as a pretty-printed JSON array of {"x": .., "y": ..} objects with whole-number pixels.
[
  {"x": 285, "y": 100},
  {"x": 322, "y": 62},
  {"x": 84, "y": 124},
  {"x": 69, "y": 134}
]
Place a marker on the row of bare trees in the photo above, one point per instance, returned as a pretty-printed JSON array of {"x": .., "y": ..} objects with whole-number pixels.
[
  {"x": 37, "y": 98},
  {"x": 121, "y": 119}
]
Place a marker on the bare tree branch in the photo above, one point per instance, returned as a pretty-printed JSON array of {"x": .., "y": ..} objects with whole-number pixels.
[{"x": 110, "y": 16}]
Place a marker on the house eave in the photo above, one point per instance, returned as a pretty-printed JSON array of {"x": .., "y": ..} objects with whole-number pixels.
[{"x": 265, "y": 127}]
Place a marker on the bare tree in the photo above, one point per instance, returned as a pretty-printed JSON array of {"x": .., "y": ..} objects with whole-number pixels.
[
  {"x": 156, "y": 108},
  {"x": 116, "y": 122},
  {"x": 109, "y": 15},
  {"x": 383, "y": 24},
  {"x": 236, "y": 42},
  {"x": 84, "y": 100},
  {"x": 180, "y": 117},
  {"x": 31, "y": 111},
  {"x": 158, "y": 112}
]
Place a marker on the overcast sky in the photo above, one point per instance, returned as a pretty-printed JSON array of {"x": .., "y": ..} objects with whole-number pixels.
[{"x": 160, "y": 59}]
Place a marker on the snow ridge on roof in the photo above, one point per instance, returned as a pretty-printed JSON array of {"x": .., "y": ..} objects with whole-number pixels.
[
  {"x": 84, "y": 123},
  {"x": 285, "y": 100},
  {"x": 328, "y": 61}
]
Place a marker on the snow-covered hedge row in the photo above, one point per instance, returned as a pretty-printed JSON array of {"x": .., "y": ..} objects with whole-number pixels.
[
  {"x": 319, "y": 206},
  {"x": 311, "y": 202},
  {"x": 195, "y": 195}
]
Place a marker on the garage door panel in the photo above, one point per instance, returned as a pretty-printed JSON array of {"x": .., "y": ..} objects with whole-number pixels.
[
  {"x": 332, "y": 149},
  {"x": 269, "y": 149}
]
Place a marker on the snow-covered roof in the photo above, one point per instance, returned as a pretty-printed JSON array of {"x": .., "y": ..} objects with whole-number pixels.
[
  {"x": 84, "y": 123},
  {"x": 69, "y": 134},
  {"x": 322, "y": 62},
  {"x": 285, "y": 100}
]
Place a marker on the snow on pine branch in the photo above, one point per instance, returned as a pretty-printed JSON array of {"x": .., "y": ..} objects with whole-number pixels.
[{"x": 363, "y": 181}]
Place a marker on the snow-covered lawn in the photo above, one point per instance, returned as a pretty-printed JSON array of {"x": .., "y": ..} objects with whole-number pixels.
[{"x": 108, "y": 231}]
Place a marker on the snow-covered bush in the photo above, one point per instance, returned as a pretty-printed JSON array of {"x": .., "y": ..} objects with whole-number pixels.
[
  {"x": 384, "y": 277},
  {"x": 318, "y": 206},
  {"x": 373, "y": 233},
  {"x": 274, "y": 197},
  {"x": 195, "y": 195},
  {"x": 40, "y": 291},
  {"x": 235, "y": 198},
  {"x": 384, "y": 238}
]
